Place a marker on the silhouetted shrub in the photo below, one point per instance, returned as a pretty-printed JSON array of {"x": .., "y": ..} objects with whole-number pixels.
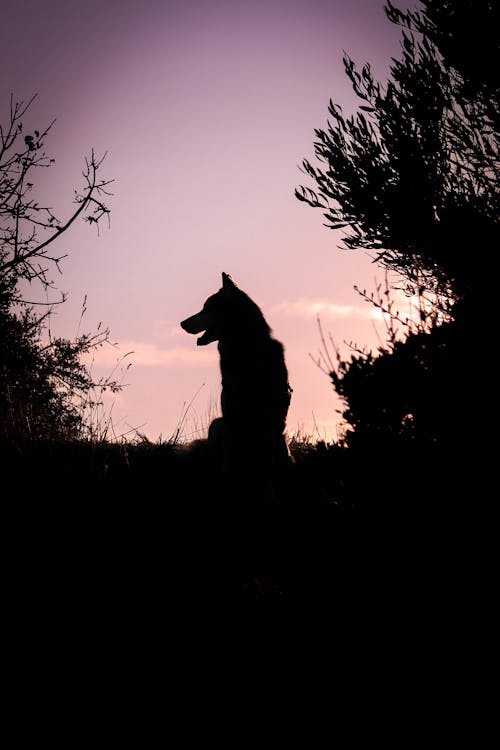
[
  {"x": 45, "y": 388},
  {"x": 412, "y": 176},
  {"x": 409, "y": 391}
]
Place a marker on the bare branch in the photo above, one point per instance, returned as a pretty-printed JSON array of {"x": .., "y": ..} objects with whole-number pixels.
[{"x": 21, "y": 218}]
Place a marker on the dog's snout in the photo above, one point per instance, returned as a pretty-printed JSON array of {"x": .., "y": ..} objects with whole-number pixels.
[
  {"x": 196, "y": 323},
  {"x": 202, "y": 321}
]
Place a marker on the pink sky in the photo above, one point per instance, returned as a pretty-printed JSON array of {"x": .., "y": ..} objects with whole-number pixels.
[{"x": 206, "y": 109}]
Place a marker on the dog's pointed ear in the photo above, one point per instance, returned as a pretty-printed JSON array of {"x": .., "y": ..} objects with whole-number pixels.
[{"x": 227, "y": 282}]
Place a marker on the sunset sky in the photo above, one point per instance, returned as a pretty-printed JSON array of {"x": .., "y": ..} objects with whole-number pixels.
[{"x": 206, "y": 109}]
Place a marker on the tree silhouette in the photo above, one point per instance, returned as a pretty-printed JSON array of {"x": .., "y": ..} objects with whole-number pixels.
[
  {"x": 42, "y": 379},
  {"x": 28, "y": 229},
  {"x": 413, "y": 175}
]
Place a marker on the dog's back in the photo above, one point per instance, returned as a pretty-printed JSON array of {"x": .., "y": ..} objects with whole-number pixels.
[{"x": 255, "y": 390}]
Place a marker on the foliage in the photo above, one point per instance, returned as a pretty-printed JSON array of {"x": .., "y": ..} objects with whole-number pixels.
[
  {"x": 43, "y": 383},
  {"x": 412, "y": 177},
  {"x": 395, "y": 390},
  {"x": 408, "y": 388},
  {"x": 44, "y": 387},
  {"x": 413, "y": 174}
]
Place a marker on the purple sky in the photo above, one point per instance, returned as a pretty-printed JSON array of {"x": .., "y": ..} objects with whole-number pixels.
[{"x": 206, "y": 109}]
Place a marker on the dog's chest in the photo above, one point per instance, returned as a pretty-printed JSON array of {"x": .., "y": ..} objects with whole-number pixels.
[
  {"x": 244, "y": 375},
  {"x": 254, "y": 369}
]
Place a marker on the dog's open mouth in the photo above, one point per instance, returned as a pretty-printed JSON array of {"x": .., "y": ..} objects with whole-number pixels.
[
  {"x": 206, "y": 338},
  {"x": 197, "y": 324}
]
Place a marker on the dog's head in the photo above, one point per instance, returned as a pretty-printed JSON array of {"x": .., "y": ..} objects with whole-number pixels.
[{"x": 210, "y": 319}]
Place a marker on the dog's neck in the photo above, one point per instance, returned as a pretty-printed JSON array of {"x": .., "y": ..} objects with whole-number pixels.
[{"x": 241, "y": 342}]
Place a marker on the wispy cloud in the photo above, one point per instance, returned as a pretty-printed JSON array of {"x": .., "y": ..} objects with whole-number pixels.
[
  {"x": 307, "y": 307},
  {"x": 144, "y": 354},
  {"x": 162, "y": 329}
]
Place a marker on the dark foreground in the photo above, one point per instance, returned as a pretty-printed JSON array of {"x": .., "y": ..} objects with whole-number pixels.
[{"x": 109, "y": 527}]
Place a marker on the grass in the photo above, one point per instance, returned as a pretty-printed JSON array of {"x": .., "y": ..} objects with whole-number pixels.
[
  {"x": 140, "y": 523},
  {"x": 143, "y": 525}
]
